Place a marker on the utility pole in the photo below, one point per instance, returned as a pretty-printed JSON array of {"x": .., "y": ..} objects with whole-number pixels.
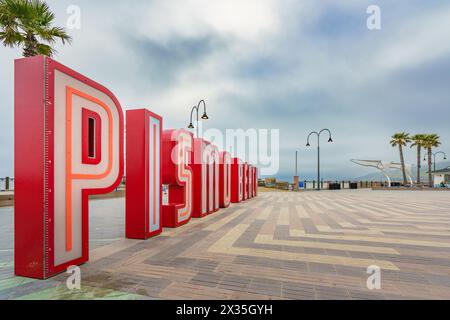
[{"x": 296, "y": 178}]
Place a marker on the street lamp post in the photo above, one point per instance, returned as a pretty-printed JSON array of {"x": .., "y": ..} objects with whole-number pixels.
[
  {"x": 204, "y": 116},
  {"x": 434, "y": 158},
  {"x": 318, "y": 150}
]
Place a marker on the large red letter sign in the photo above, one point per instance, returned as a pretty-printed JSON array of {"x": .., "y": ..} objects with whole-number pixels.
[
  {"x": 250, "y": 181},
  {"x": 68, "y": 145},
  {"x": 237, "y": 180},
  {"x": 200, "y": 172},
  {"x": 246, "y": 181},
  {"x": 177, "y": 155},
  {"x": 212, "y": 160},
  {"x": 254, "y": 179},
  {"x": 143, "y": 172},
  {"x": 225, "y": 180}
]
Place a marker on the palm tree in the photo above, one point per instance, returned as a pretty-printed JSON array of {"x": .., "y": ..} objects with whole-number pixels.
[
  {"x": 401, "y": 140},
  {"x": 418, "y": 142},
  {"x": 431, "y": 141},
  {"x": 28, "y": 24}
]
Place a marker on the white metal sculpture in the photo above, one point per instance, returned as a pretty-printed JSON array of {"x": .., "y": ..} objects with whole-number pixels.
[{"x": 384, "y": 167}]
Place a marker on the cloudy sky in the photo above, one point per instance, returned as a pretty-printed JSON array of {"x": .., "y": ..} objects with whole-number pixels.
[{"x": 291, "y": 65}]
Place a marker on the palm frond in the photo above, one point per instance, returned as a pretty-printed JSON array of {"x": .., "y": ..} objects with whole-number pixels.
[
  {"x": 417, "y": 140},
  {"x": 401, "y": 138},
  {"x": 52, "y": 34},
  {"x": 432, "y": 141},
  {"x": 45, "y": 50},
  {"x": 11, "y": 37},
  {"x": 42, "y": 13},
  {"x": 27, "y": 23},
  {"x": 17, "y": 8}
]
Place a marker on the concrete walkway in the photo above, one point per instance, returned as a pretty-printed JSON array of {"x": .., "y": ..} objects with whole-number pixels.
[{"x": 278, "y": 246}]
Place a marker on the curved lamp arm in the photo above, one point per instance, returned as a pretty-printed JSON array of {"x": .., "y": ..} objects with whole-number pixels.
[
  {"x": 441, "y": 152},
  {"x": 435, "y": 154},
  {"x": 205, "y": 116},
  {"x": 318, "y": 136},
  {"x": 329, "y": 134},
  {"x": 191, "y": 126},
  {"x": 197, "y": 109},
  {"x": 314, "y": 132}
]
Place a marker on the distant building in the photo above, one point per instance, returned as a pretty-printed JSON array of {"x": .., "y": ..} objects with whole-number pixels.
[{"x": 442, "y": 176}]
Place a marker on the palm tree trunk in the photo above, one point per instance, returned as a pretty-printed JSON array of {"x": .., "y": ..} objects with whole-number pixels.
[
  {"x": 430, "y": 175},
  {"x": 30, "y": 48},
  {"x": 419, "y": 166},
  {"x": 402, "y": 161}
]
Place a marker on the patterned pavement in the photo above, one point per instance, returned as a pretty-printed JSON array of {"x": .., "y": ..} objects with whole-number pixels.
[{"x": 278, "y": 246}]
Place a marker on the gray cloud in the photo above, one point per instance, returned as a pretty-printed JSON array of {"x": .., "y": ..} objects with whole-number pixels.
[
  {"x": 163, "y": 63},
  {"x": 291, "y": 65}
]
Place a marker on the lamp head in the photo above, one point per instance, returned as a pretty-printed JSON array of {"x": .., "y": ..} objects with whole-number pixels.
[
  {"x": 308, "y": 145},
  {"x": 191, "y": 126},
  {"x": 205, "y": 116},
  {"x": 330, "y": 140}
]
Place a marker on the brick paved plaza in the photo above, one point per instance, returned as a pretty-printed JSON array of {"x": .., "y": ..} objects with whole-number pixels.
[{"x": 278, "y": 246}]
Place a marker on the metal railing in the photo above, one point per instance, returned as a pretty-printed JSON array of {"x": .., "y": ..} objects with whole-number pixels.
[
  {"x": 6, "y": 184},
  {"x": 324, "y": 185},
  {"x": 336, "y": 185}
]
